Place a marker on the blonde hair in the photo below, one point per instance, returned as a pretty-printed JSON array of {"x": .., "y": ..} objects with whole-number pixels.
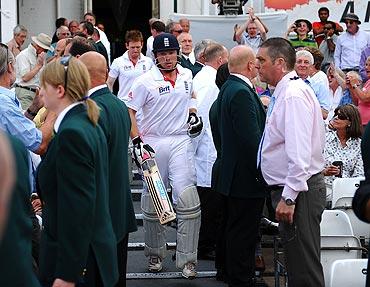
[{"x": 78, "y": 83}]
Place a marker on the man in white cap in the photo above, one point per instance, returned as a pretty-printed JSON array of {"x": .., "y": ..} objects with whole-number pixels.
[{"x": 29, "y": 63}]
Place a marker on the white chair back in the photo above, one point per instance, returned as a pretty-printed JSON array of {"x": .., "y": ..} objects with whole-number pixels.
[
  {"x": 337, "y": 248},
  {"x": 348, "y": 272},
  {"x": 335, "y": 222},
  {"x": 343, "y": 191}
]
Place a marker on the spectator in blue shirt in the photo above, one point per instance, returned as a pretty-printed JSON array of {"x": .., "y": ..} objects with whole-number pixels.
[{"x": 12, "y": 119}]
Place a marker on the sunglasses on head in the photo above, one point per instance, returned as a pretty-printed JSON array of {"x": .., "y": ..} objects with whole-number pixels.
[
  {"x": 178, "y": 31},
  {"x": 65, "y": 62}
]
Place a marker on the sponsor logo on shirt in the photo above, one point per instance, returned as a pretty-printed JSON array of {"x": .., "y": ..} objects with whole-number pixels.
[
  {"x": 130, "y": 96},
  {"x": 186, "y": 84},
  {"x": 144, "y": 68},
  {"x": 164, "y": 90},
  {"x": 126, "y": 68}
]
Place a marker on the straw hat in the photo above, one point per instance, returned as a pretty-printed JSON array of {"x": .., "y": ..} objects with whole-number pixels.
[{"x": 42, "y": 40}]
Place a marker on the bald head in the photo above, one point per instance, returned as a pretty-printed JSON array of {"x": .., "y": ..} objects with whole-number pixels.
[
  {"x": 238, "y": 56},
  {"x": 97, "y": 67},
  {"x": 242, "y": 61}
]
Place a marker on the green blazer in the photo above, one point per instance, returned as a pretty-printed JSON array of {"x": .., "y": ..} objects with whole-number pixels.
[
  {"x": 116, "y": 124},
  {"x": 241, "y": 123},
  {"x": 15, "y": 246},
  {"x": 73, "y": 182}
]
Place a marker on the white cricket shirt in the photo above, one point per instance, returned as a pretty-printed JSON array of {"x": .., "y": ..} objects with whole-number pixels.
[
  {"x": 164, "y": 108},
  {"x": 123, "y": 69}
]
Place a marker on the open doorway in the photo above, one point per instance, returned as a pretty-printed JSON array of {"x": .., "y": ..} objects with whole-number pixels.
[{"x": 138, "y": 14}]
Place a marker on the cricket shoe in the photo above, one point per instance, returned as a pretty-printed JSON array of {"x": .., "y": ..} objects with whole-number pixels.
[
  {"x": 189, "y": 271},
  {"x": 155, "y": 264}
]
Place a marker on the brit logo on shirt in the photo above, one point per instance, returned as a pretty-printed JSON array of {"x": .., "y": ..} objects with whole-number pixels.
[
  {"x": 186, "y": 84},
  {"x": 164, "y": 90}
]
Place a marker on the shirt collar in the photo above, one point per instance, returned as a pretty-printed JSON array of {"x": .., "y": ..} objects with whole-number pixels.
[
  {"x": 32, "y": 49},
  {"x": 7, "y": 92},
  {"x": 244, "y": 78},
  {"x": 97, "y": 88},
  {"x": 62, "y": 115},
  {"x": 333, "y": 137}
]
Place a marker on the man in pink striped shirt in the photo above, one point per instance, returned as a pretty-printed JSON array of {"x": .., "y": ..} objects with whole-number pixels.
[{"x": 291, "y": 160}]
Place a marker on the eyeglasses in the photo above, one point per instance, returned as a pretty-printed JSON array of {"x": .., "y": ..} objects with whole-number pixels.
[
  {"x": 340, "y": 116},
  {"x": 7, "y": 52},
  {"x": 65, "y": 62}
]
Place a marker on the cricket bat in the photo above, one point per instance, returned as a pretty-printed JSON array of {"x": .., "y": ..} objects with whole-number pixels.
[{"x": 158, "y": 191}]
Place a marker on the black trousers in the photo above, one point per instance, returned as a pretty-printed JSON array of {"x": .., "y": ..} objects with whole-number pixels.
[
  {"x": 122, "y": 261},
  {"x": 235, "y": 251},
  {"x": 211, "y": 206}
]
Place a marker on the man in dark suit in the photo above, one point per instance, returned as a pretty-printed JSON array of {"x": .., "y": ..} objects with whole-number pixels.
[
  {"x": 15, "y": 246},
  {"x": 116, "y": 124},
  {"x": 242, "y": 120},
  {"x": 186, "y": 59},
  {"x": 98, "y": 45}
]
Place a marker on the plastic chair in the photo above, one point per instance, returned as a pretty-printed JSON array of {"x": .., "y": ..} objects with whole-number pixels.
[
  {"x": 338, "y": 247},
  {"x": 343, "y": 191},
  {"x": 348, "y": 272},
  {"x": 335, "y": 222}
]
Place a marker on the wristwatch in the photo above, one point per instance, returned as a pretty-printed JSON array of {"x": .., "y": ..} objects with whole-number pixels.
[{"x": 288, "y": 201}]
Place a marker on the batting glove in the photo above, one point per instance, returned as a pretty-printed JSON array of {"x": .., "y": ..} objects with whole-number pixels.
[
  {"x": 141, "y": 151},
  {"x": 195, "y": 125}
]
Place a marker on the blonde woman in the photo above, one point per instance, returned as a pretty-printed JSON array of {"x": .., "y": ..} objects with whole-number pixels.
[{"x": 78, "y": 246}]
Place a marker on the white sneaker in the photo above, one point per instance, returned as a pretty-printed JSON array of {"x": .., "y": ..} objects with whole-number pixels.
[
  {"x": 155, "y": 264},
  {"x": 189, "y": 271}
]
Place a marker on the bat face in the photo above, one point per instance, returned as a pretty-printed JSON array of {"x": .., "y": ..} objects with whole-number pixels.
[{"x": 158, "y": 191}]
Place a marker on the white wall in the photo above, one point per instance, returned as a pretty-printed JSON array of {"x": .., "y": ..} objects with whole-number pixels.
[{"x": 8, "y": 19}]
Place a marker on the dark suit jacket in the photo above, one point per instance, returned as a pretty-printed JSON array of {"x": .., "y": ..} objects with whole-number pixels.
[
  {"x": 187, "y": 64},
  {"x": 116, "y": 124},
  {"x": 100, "y": 48},
  {"x": 15, "y": 246},
  {"x": 241, "y": 124},
  {"x": 73, "y": 181}
]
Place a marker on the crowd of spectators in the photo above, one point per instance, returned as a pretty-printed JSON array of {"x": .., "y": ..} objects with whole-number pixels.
[{"x": 301, "y": 103}]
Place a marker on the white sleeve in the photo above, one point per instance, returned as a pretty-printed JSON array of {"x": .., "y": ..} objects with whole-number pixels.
[
  {"x": 23, "y": 66},
  {"x": 137, "y": 96},
  {"x": 114, "y": 69}
]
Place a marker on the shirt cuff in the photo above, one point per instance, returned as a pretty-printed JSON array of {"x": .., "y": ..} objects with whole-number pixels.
[{"x": 290, "y": 193}]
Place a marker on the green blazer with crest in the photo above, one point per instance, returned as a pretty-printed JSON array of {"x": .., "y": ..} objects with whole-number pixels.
[
  {"x": 241, "y": 121},
  {"x": 15, "y": 246},
  {"x": 73, "y": 182},
  {"x": 116, "y": 124}
]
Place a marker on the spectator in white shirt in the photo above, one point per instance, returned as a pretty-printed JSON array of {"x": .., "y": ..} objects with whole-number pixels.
[
  {"x": 350, "y": 44},
  {"x": 205, "y": 153}
]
